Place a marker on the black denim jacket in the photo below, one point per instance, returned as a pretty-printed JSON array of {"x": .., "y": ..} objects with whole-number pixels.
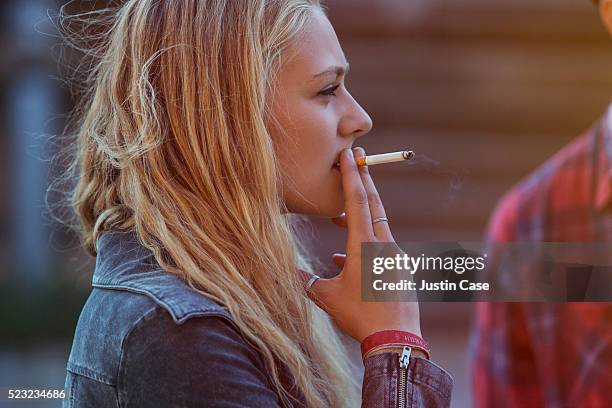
[{"x": 146, "y": 339}]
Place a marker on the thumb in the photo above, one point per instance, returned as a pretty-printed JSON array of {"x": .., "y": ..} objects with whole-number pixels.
[{"x": 315, "y": 292}]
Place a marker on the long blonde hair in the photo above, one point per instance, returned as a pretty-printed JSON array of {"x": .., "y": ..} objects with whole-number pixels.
[{"x": 171, "y": 142}]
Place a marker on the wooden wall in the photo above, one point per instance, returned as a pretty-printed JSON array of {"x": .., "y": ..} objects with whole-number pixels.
[{"x": 484, "y": 91}]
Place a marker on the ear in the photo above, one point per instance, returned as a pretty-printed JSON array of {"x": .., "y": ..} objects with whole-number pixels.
[{"x": 605, "y": 13}]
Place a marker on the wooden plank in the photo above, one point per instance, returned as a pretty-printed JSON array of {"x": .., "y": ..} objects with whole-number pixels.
[
  {"x": 568, "y": 21},
  {"x": 404, "y": 61},
  {"x": 498, "y": 106}
]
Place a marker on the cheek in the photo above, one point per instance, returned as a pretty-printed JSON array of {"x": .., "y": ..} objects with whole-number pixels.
[
  {"x": 310, "y": 137},
  {"x": 305, "y": 138},
  {"x": 316, "y": 187},
  {"x": 316, "y": 131}
]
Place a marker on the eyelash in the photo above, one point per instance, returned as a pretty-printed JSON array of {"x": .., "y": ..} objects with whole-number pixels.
[{"x": 329, "y": 91}]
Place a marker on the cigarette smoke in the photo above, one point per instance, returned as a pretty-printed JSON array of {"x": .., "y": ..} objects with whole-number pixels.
[{"x": 456, "y": 178}]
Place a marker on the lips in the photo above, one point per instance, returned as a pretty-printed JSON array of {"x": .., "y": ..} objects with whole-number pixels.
[{"x": 336, "y": 163}]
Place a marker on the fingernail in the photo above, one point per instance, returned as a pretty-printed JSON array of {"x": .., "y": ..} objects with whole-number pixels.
[{"x": 349, "y": 154}]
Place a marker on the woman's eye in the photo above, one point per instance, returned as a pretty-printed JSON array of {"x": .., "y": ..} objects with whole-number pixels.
[{"x": 329, "y": 91}]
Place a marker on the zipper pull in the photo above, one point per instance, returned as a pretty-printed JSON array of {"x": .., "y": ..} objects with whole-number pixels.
[{"x": 404, "y": 358}]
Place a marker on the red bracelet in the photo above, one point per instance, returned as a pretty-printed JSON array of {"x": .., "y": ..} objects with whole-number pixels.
[{"x": 393, "y": 337}]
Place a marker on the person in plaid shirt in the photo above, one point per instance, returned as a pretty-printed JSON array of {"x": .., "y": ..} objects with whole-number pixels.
[{"x": 551, "y": 354}]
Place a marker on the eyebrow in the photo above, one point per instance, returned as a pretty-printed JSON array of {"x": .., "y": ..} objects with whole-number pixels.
[{"x": 334, "y": 69}]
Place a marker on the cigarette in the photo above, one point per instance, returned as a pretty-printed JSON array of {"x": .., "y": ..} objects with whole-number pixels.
[{"x": 383, "y": 158}]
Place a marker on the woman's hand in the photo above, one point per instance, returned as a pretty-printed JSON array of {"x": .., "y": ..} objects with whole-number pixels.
[{"x": 340, "y": 296}]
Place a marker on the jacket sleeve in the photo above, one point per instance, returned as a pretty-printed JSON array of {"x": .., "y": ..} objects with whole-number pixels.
[
  {"x": 421, "y": 384},
  {"x": 206, "y": 362}
]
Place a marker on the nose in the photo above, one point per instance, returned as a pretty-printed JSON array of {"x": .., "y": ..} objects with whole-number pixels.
[{"x": 355, "y": 122}]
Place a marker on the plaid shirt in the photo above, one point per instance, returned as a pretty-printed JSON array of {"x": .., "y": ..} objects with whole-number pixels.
[{"x": 551, "y": 354}]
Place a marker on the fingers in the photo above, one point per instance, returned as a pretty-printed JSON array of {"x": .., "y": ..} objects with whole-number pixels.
[
  {"x": 340, "y": 220},
  {"x": 339, "y": 260},
  {"x": 381, "y": 229},
  {"x": 358, "y": 218},
  {"x": 316, "y": 291}
]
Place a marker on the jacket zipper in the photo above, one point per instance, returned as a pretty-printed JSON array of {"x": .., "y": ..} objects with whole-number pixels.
[{"x": 404, "y": 359}]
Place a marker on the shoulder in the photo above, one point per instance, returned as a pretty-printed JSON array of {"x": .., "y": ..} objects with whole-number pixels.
[
  {"x": 148, "y": 359},
  {"x": 156, "y": 341},
  {"x": 128, "y": 288},
  {"x": 124, "y": 266},
  {"x": 522, "y": 211},
  {"x": 204, "y": 360},
  {"x": 109, "y": 316}
]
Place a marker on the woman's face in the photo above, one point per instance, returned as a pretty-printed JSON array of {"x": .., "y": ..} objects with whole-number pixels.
[{"x": 316, "y": 118}]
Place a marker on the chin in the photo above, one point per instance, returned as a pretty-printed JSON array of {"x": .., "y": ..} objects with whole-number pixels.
[{"x": 330, "y": 210}]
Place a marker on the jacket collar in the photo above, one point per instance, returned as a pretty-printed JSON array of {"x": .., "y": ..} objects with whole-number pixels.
[{"x": 123, "y": 263}]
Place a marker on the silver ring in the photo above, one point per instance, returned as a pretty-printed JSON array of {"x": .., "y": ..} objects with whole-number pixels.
[
  {"x": 379, "y": 219},
  {"x": 311, "y": 281}
]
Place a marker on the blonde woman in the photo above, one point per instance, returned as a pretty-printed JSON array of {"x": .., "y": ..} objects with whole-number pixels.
[{"x": 208, "y": 127}]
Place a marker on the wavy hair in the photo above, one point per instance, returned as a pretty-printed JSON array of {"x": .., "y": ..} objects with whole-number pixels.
[{"x": 172, "y": 142}]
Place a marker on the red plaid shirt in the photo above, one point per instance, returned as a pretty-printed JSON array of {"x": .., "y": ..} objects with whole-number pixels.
[{"x": 551, "y": 354}]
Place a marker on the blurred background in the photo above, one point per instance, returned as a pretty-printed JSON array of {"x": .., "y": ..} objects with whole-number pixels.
[{"x": 484, "y": 91}]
